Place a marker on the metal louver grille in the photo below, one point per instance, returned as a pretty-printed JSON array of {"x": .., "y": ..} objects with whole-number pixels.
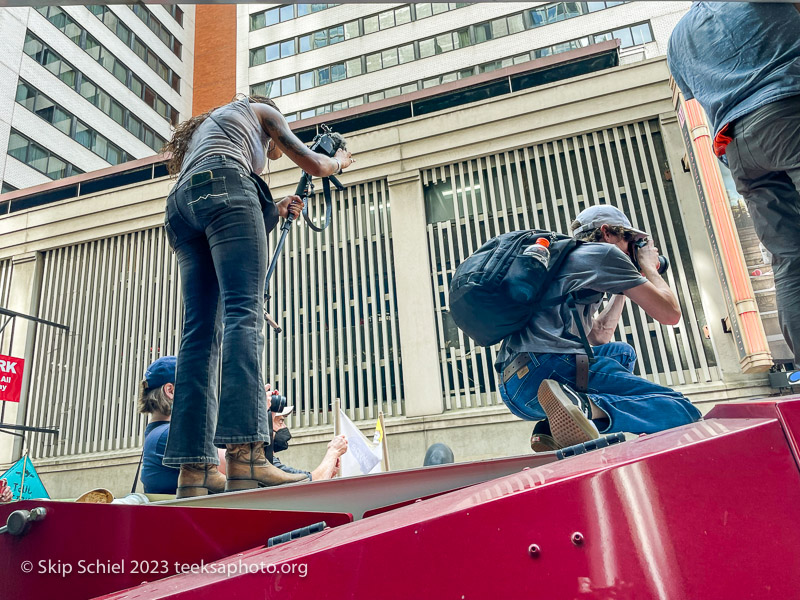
[{"x": 544, "y": 187}]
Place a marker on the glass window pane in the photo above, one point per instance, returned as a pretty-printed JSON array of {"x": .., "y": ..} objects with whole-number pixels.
[
  {"x": 318, "y": 7},
  {"x": 594, "y": 6},
  {"x": 351, "y": 30},
  {"x": 389, "y": 57},
  {"x": 271, "y": 17},
  {"x": 287, "y": 12},
  {"x": 320, "y": 39},
  {"x": 338, "y": 72},
  {"x": 88, "y": 90},
  {"x": 625, "y": 36},
  {"x": 641, "y": 34},
  {"x": 74, "y": 31},
  {"x": 307, "y": 114},
  {"x": 444, "y": 43},
  {"x": 139, "y": 49},
  {"x": 258, "y": 56},
  {"x": 603, "y": 37},
  {"x": 44, "y": 107},
  {"x": 370, "y": 24},
  {"x": 287, "y": 48},
  {"x": 336, "y": 34},
  {"x": 62, "y": 120},
  {"x": 99, "y": 145},
  {"x": 423, "y": 10},
  {"x": 25, "y": 95},
  {"x": 33, "y": 48},
  {"x": 461, "y": 38},
  {"x": 83, "y": 135},
  {"x": 257, "y": 21},
  {"x": 439, "y": 7},
  {"x": 120, "y": 72},
  {"x": 124, "y": 33},
  {"x": 516, "y": 24},
  {"x": 114, "y": 155},
  {"x": 134, "y": 125},
  {"x": 323, "y": 76},
  {"x": 499, "y": 28},
  {"x": 291, "y": 117},
  {"x": 375, "y": 96},
  {"x": 303, "y": 9},
  {"x": 406, "y": 53},
  {"x": 373, "y": 62},
  {"x": 402, "y": 15},
  {"x": 17, "y": 146},
  {"x": 538, "y": 17},
  {"x": 307, "y": 80},
  {"x": 483, "y": 32},
  {"x": 305, "y": 43},
  {"x": 37, "y": 157},
  {"x": 288, "y": 85},
  {"x": 354, "y": 67},
  {"x": 358, "y": 101},
  {"x": 430, "y": 82},
  {"x": 386, "y": 19},
  {"x": 392, "y": 92},
  {"x": 427, "y": 48},
  {"x": 117, "y": 112},
  {"x": 273, "y": 52},
  {"x": 52, "y": 62},
  {"x": 67, "y": 74},
  {"x": 56, "y": 168},
  {"x": 137, "y": 87},
  {"x": 104, "y": 101},
  {"x": 407, "y": 89},
  {"x": 447, "y": 78}
]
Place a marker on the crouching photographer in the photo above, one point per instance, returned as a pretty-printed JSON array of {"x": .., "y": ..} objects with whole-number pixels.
[
  {"x": 217, "y": 219},
  {"x": 539, "y": 364}
]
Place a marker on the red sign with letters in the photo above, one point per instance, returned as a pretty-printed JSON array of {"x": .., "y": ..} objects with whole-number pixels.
[{"x": 10, "y": 378}]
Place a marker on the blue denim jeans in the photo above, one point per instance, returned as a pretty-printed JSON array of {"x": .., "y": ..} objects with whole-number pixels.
[
  {"x": 633, "y": 404},
  {"x": 216, "y": 228}
]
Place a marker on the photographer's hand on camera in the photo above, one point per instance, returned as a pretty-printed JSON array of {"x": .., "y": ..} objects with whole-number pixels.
[
  {"x": 648, "y": 259},
  {"x": 343, "y": 159}
]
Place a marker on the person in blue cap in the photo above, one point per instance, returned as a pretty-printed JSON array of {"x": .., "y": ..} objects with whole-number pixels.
[{"x": 156, "y": 392}]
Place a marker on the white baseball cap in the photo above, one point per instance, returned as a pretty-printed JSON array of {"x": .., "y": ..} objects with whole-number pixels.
[{"x": 603, "y": 214}]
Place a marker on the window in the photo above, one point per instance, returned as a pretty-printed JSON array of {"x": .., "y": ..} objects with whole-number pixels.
[
  {"x": 370, "y": 24},
  {"x": 483, "y": 32},
  {"x": 402, "y": 15},
  {"x": 641, "y": 34},
  {"x": 624, "y": 35},
  {"x": 351, "y": 30},
  {"x": 18, "y": 147},
  {"x": 287, "y": 48},
  {"x": 336, "y": 34},
  {"x": 38, "y": 157},
  {"x": 389, "y": 57},
  {"x": 423, "y": 10},
  {"x": 405, "y": 53},
  {"x": 427, "y": 48},
  {"x": 373, "y": 62},
  {"x": 516, "y": 24},
  {"x": 323, "y": 76},
  {"x": 307, "y": 80},
  {"x": 62, "y": 120},
  {"x": 386, "y": 19},
  {"x": 287, "y": 12},
  {"x": 258, "y": 21},
  {"x": 25, "y": 95},
  {"x": 288, "y": 86},
  {"x": 338, "y": 72},
  {"x": 353, "y": 67}
]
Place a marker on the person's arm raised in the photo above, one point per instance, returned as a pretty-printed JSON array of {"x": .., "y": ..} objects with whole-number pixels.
[
  {"x": 655, "y": 296},
  {"x": 313, "y": 163}
]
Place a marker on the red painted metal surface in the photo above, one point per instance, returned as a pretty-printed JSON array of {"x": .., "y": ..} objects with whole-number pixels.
[
  {"x": 706, "y": 511},
  {"x": 123, "y": 545}
]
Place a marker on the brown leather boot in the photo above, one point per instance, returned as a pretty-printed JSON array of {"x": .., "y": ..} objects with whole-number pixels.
[
  {"x": 199, "y": 479},
  {"x": 247, "y": 468}
]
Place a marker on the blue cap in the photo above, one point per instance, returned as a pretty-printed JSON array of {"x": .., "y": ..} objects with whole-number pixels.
[{"x": 160, "y": 372}]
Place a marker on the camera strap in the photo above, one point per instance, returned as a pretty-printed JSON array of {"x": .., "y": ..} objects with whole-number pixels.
[
  {"x": 326, "y": 192},
  {"x": 582, "y": 361}
]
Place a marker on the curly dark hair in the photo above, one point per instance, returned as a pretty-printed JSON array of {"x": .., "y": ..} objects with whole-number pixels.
[
  {"x": 596, "y": 235},
  {"x": 184, "y": 131}
]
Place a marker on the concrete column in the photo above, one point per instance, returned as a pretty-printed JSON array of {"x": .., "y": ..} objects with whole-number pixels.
[
  {"x": 422, "y": 381},
  {"x": 25, "y": 291}
]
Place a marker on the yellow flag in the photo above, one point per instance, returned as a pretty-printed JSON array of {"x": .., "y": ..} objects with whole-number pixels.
[{"x": 378, "y": 437}]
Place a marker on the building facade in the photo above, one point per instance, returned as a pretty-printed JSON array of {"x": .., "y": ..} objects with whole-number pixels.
[
  {"x": 85, "y": 87},
  {"x": 363, "y": 306}
]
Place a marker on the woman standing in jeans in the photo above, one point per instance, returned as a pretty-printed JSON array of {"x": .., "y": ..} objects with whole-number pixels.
[{"x": 217, "y": 219}]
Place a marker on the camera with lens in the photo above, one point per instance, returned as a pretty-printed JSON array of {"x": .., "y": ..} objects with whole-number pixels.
[
  {"x": 277, "y": 404},
  {"x": 663, "y": 262},
  {"x": 328, "y": 142}
]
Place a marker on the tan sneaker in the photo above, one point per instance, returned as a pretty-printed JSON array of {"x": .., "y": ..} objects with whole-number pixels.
[
  {"x": 568, "y": 412},
  {"x": 247, "y": 468},
  {"x": 199, "y": 479}
]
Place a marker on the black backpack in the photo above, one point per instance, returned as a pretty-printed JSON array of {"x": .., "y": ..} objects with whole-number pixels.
[{"x": 496, "y": 291}]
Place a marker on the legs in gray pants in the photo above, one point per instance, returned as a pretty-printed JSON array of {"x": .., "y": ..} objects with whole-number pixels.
[{"x": 764, "y": 158}]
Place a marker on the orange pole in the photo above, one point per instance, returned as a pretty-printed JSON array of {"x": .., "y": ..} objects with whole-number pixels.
[{"x": 743, "y": 297}]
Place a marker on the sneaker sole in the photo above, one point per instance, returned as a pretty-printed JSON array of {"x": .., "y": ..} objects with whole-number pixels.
[{"x": 568, "y": 425}]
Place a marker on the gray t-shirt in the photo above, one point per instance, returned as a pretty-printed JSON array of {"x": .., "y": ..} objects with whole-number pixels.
[
  {"x": 591, "y": 266},
  {"x": 243, "y": 138}
]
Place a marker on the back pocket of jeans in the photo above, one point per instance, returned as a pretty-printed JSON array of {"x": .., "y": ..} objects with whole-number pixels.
[{"x": 206, "y": 199}]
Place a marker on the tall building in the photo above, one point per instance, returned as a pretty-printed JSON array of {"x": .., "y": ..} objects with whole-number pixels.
[
  {"x": 319, "y": 58},
  {"x": 87, "y": 87}
]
